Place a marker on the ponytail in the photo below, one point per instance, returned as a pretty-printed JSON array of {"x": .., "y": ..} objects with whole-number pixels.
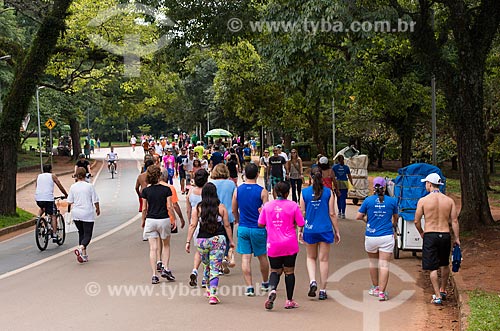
[{"x": 317, "y": 184}]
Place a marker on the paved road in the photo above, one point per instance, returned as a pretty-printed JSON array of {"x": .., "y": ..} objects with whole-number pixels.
[{"x": 87, "y": 296}]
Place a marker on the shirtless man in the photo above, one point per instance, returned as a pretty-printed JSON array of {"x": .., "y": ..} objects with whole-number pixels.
[
  {"x": 439, "y": 211},
  {"x": 142, "y": 183}
]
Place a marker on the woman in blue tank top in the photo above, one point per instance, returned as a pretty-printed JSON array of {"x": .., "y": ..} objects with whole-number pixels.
[{"x": 320, "y": 231}]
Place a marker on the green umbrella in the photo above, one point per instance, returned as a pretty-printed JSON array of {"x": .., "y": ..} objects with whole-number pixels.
[{"x": 218, "y": 133}]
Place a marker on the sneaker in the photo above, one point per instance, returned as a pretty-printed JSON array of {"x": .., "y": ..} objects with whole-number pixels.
[
  {"x": 342, "y": 216},
  {"x": 270, "y": 300},
  {"x": 155, "y": 280},
  {"x": 225, "y": 267},
  {"x": 207, "y": 294},
  {"x": 322, "y": 295},
  {"x": 203, "y": 283},
  {"x": 193, "y": 279},
  {"x": 443, "y": 295},
  {"x": 290, "y": 304},
  {"x": 85, "y": 258},
  {"x": 250, "y": 292},
  {"x": 78, "y": 254},
  {"x": 55, "y": 239},
  {"x": 159, "y": 266},
  {"x": 264, "y": 286},
  {"x": 435, "y": 300},
  {"x": 213, "y": 300},
  {"x": 312, "y": 289},
  {"x": 167, "y": 274},
  {"x": 374, "y": 291},
  {"x": 383, "y": 296}
]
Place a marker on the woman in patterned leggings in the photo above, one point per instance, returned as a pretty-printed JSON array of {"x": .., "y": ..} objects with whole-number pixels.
[{"x": 211, "y": 242}]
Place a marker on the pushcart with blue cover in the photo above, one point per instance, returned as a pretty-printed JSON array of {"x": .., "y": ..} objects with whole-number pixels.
[{"x": 408, "y": 189}]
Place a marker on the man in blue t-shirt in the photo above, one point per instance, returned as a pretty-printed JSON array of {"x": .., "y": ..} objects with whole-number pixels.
[
  {"x": 216, "y": 157},
  {"x": 382, "y": 214},
  {"x": 247, "y": 201},
  {"x": 342, "y": 175}
]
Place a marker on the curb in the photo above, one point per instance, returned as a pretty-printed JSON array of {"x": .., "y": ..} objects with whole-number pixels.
[
  {"x": 23, "y": 186},
  {"x": 462, "y": 299},
  {"x": 17, "y": 227}
]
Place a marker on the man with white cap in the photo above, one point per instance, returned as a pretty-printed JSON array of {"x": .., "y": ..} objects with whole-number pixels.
[{"x": 439, "y": 211}]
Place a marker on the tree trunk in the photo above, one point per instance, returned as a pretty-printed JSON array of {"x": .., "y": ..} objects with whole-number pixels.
[
  {"x": 466, "y": 106},
  {"x": 75, "y": 137},
  {"x": 454, "y": 162},
  {"x": 380, "y": 157},
  {"x": 406, "y": 139},
  {"x": 20, "y": 96},
  {"x": 492, "y": 165}
]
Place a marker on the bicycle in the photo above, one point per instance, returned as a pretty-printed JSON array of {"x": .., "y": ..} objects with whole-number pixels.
[
  {"x": 43, "y": 228},
  {"x": 112, "y": 168}
]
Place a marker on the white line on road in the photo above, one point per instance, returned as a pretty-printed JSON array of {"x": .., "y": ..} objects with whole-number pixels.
[{"x": 70, "y": 250}]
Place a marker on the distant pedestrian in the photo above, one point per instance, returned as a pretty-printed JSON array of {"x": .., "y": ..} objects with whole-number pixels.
[
  {"x": 343, "y": 177},
  {"x": 133, "y": 142},
  {"x": 320, "y": 231},
  {"x": 83, "y": 199},
  {"x": 381, "y": 213},
  {"x": 280, "y": 217},
  {"x": 98, "y": 143},
  {"x": 276, "y": 171},
  {"x": 211, "y": 241},
  {"x": 295, "y": 175},
  {"x": 92, "y": 145},
  {"x": 264, "y": 164},
  {"x": 440, "y": 212}
]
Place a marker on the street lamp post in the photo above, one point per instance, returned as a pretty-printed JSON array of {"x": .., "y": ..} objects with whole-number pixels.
[
  {"x": 2, "y": 58},
  {"x": 38, "y": 88}
]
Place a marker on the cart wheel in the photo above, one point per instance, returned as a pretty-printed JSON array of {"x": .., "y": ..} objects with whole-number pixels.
[
  {"x": 396, "y": 249},
  {"x": 355, "y": 201}
]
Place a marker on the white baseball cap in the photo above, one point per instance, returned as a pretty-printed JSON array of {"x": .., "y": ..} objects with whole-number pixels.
[
  {"x": 323, "y": 160},
  {"x": 433, "y": 178}
]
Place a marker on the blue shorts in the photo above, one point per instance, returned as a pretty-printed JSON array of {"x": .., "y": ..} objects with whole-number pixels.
[
  {"x": 322, "y": 237},
  {"x": 252, "y": 240}
]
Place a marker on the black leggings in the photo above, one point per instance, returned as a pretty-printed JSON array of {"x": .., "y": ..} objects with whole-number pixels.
[
  {"x": 296, "y": 185},
  {"x": 84, "y": 232}
]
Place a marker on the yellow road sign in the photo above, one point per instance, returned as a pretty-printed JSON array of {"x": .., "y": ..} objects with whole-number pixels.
[{"x": 50, "y": 123}]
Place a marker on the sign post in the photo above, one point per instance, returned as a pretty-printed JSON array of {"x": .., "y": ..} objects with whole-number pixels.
[{"x": 50, "y": 124}]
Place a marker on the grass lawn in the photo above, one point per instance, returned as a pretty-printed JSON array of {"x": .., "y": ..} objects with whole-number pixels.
[
  {"x": 484, "y": 313},
  {"x": 24, "y": 216},
  {"x": 29, "y": 159}
]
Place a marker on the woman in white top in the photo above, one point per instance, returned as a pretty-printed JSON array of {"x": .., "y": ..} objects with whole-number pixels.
[
  {"x": 83, "y": 198},
  {"x": 192, "y": 200}
]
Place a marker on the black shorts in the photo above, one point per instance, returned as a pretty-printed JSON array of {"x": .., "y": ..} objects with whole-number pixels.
[
  {"x": 279, "y": 262},
  {"x": 47, "y": 206},
  {"x": 182, "y": 175},
  {"x": 436, "y": 250}
]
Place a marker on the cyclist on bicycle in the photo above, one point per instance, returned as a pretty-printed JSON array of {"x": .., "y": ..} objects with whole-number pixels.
[
  {"x": 44, "y": 195},
  {"x": 83, "y": 163},
  {"x": 112, "y": 157}
]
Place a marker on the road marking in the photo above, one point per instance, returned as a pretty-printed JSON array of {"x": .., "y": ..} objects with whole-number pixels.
[
  {"x": 98, "y": 173},
  {"x": 70, "y": 250},
  {"x": 26, "y": 248}
]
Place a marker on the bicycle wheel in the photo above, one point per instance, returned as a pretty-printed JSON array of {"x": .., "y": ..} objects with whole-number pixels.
[
  {"x": 61, "y": 229},
  {"x": 41, "y": 233},
  {"x": 112, "y": 167}
]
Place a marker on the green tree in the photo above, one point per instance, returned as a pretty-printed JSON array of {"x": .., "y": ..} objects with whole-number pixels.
[{"x": 16, "y": 105}]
